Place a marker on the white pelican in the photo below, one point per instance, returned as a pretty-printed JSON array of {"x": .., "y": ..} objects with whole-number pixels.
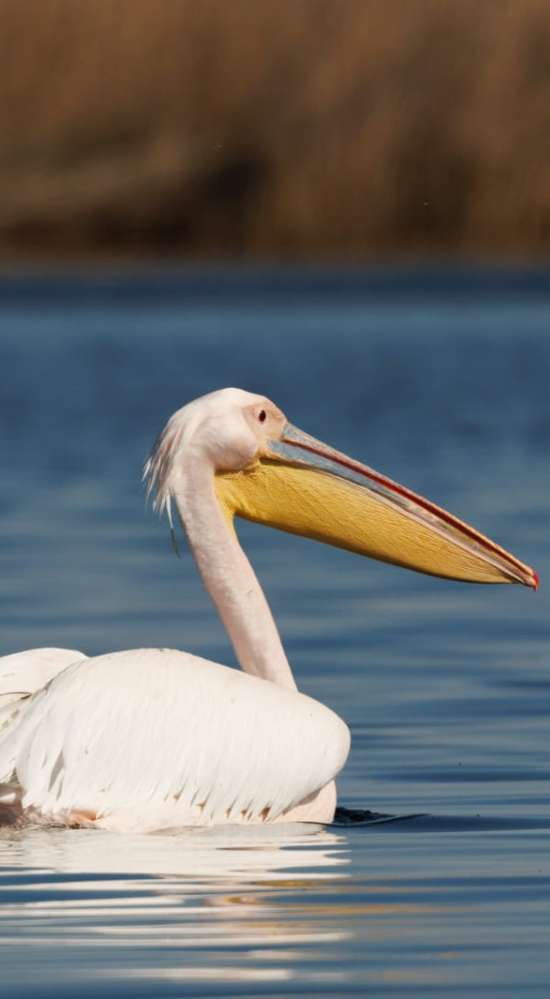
[{"x": 153, "y": 738}]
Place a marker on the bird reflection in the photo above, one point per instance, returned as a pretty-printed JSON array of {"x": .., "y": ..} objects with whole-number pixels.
[
  {"x": 213, "y": 853},
  {"x": 166, "y": 905}
]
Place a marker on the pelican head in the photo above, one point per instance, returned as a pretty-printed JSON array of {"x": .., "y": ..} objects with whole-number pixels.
[{"x": 267, "y": 470}]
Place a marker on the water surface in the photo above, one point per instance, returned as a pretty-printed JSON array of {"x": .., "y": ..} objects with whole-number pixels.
[{"x": 439, "y": 379}]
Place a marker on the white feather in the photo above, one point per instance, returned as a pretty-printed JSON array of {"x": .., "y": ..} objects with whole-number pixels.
[
  {"x": 22, "y": 674},
  {"x": 156, "y": 738}
]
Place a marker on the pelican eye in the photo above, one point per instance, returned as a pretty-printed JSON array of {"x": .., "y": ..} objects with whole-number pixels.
[{"x": 262, "y": 415}]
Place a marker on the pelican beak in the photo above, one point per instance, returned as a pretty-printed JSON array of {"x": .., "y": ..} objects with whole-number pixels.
[{"x": 303, "y": 486}]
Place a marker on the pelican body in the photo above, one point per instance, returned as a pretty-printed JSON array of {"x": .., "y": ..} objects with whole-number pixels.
[{"x": 156, "y": 738}]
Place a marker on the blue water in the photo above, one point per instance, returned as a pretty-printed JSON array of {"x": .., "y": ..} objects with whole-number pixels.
[{"x": 439, "y": 378}]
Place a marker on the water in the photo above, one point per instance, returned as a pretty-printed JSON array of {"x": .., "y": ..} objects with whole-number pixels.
[{"x": 441, "y": 380}]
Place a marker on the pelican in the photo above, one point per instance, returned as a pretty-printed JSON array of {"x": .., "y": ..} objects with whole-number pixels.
[{"x": 156, "y": 738}]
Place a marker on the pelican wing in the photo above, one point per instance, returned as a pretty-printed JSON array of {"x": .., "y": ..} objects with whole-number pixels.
[
  {"x": 23, "y": 673},
  {"x": 155, "y": 738}
]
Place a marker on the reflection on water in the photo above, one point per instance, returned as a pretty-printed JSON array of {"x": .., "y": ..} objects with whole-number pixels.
[
  {"x": 438, "y": 379},
  {"x": 85, "y": 901},
  {"x": 231, "y": 851},
  {"x": 296, "y": 908}
]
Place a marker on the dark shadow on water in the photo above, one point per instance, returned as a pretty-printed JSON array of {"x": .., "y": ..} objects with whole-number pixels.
[
  {"x": 421, "y": 822},
  {"x": 424, "y": 822}
]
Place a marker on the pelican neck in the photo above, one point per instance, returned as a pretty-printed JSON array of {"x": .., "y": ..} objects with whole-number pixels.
[{"x": 230, "y": 579}]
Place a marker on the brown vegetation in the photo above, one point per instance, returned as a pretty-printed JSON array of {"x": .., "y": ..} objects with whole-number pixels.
[{"x": 313, "y": 127}]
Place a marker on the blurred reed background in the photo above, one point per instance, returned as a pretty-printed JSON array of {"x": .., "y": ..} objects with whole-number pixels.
[{"x": 315, "y": 129}]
